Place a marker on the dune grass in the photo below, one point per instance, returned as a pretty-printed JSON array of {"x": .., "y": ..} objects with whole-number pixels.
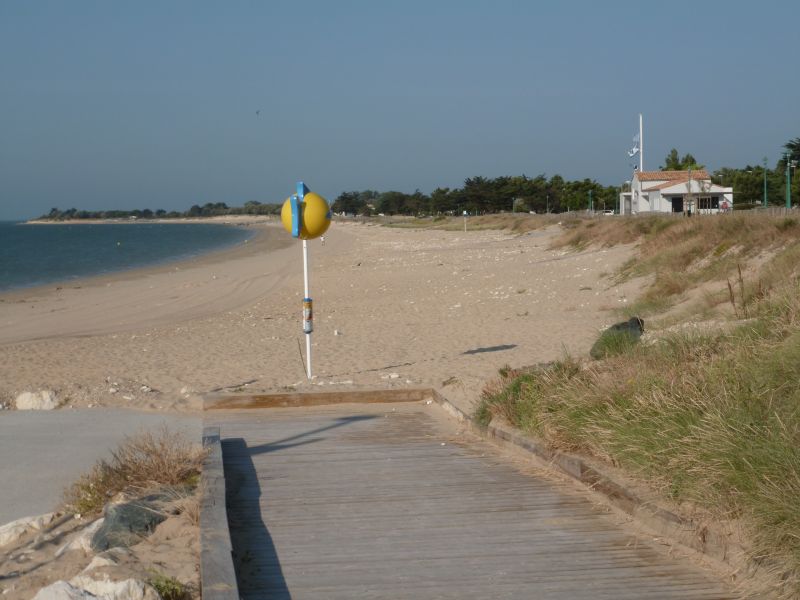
[
  {"x": 169, "y": 588},
  {"x": 139, "y": 463},
  {"x": 682, "y": 253},
  {"x": 712, "y": 419},
  {"x": 512, "y": 222}
]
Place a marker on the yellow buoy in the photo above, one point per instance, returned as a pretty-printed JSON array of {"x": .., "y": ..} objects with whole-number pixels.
[{"x": 314, "y": 215}]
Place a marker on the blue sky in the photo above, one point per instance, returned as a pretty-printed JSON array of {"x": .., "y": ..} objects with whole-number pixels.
[{"x": 153, "y": 104}]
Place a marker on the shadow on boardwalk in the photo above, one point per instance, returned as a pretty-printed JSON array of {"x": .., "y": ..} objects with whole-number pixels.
[{"x": 250, "y": 536}]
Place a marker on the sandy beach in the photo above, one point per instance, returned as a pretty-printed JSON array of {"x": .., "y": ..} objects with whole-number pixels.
[{"x": 392, "y": 307}]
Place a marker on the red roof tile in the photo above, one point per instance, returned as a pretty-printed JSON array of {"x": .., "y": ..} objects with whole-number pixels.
[
  {"x": 666, "y": 184},
  {"x": 671, "y": 175}
]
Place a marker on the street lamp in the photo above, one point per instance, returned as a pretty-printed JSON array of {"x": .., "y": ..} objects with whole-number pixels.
[{"x": 790, "y": 164}]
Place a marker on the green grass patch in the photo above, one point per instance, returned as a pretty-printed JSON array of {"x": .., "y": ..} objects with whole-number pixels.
[
  {"x": 169, "y": 588},
  {"x": 710, "y": 419}
]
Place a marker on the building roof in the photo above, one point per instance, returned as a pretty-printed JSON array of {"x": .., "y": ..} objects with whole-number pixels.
[
  {"x": 671, "y": 175},
  {"x": 698, "y": 186},
  {"x": 666, "y": 184}
]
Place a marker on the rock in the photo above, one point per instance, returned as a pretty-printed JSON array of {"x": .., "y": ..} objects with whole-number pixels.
[
  {"x": 129, "y": 589},
  {"x": 11, "y": 532},
  {"x": 43, "y": 400},
  {"x": 394, "y": 376},
  {"x": 82, "y": 541},
  {"x": 110, "y": 557},
  {"x": 616, "y": 338},
  {"x": 61, "y": 590},
  {"x": 126, "y": 524}
]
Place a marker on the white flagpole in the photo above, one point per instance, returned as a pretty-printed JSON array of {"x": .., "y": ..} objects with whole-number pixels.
[
  {"x": 305, "y": 283},
  {"x": 641, "y": 145}
]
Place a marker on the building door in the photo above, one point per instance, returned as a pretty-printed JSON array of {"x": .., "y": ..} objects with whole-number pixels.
[{"x": 677, "y": 204}]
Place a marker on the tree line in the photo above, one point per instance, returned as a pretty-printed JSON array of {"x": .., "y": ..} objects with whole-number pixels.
[
  {"x": 210, "y": 209},
  {"x": 748, "y": 182},
  {"x": 480, "y": 195}
]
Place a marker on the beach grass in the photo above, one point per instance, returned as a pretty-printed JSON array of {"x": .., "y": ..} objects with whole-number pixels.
[
  {"x": 512, "y": 222},
  {"x": 141, "y": 462},
  {"x": 708, "y": 417},
  {"x": 169, "y": 588},
  {"x": 682, "y": 253}
]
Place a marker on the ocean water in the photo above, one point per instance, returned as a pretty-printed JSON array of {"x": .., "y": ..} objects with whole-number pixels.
[{"x": 33, "y": 255}]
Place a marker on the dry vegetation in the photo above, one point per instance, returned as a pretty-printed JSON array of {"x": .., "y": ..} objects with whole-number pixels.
[
  {"x": 140, "y": 463},
  {"x": 682, "y": 253},
  {"x": 513, "y": 222},
  {"x": 162, "y": 464},
  {"x": 712, "y": 419}
]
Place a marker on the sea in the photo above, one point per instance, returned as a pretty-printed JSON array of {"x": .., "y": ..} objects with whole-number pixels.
[{"x": 33, "y": 255}]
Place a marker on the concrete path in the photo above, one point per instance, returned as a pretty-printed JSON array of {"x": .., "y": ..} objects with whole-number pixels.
[
  {"x": 43, "y": 452},
  {"x": 392, "y": 501}
]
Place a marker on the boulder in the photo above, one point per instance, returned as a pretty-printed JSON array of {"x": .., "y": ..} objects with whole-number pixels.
[
  {"x": 86, "y": 588},
  {"x": 11, "y": 532},
  {"x": 617, "y": 338},
  {"x": 127, "y": 523},
  {"x": 43, "y": 400},
  {"x": 106, "y": 589},
  {"x": 82, "y": 541},
  {"x": 61, "y": 590},
  {"x": 109, "y": 558}
]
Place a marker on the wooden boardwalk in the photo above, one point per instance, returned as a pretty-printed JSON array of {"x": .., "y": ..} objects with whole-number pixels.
[{"x": 392, "y": 501}]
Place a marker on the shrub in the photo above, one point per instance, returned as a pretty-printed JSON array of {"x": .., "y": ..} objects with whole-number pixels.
[
  {"x": 169, "y": 588},
  {"x": 140, "y": 462}
]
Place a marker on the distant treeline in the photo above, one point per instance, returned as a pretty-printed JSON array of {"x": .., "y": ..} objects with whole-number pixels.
[
  {"x": 478, "y": 196},
  {"x": 481, "y": 195},
  {"x": 210, "y": 209}
]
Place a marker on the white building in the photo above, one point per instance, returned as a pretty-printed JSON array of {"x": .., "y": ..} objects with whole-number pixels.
[{"x": 675, "y": 192}]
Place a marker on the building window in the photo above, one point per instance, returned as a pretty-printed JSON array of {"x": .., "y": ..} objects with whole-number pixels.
[{"x": 708, "y": 202}]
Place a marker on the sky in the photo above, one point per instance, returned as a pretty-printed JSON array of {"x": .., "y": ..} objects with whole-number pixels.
[{"x": 112, "y": 105}]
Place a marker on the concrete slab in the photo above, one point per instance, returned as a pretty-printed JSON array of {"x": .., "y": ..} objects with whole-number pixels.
[
  {"x": 44, "y": 452},
  {"x": 395, "y": 501}
]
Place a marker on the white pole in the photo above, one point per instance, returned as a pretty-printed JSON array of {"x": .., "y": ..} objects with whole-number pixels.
[
  {"x": 305, "y": 290},
  {"x": 641, "y": 144}
]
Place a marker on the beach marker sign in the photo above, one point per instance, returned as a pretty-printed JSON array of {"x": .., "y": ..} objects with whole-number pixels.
[{"x": 306, "y": 216}]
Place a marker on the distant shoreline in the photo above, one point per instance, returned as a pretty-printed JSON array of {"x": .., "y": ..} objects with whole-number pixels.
[{"x": 259, "y": 242}]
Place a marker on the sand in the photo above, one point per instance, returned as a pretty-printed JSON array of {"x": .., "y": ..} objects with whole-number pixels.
[{"x": 392, "y": 307}]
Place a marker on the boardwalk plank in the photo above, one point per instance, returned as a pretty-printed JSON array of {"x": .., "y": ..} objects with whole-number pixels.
[{"x": 392, "y": 501}]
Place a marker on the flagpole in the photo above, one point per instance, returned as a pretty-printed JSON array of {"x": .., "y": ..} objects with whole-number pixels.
[
  {"x": 306, "y": 298},
  {"x": 641, "y": 145}
]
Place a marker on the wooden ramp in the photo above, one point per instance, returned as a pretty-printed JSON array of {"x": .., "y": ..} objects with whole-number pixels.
[{"x": 392, "y": 501}]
